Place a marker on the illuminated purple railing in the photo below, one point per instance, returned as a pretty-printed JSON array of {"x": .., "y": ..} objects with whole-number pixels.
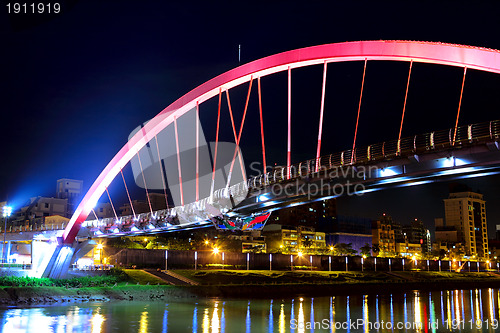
[{"x": 415, "y": 145}]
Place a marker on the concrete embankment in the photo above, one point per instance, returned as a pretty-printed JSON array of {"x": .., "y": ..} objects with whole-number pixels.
[{"x": 52, "y": 295}]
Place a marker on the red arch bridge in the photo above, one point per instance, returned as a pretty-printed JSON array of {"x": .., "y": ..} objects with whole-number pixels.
[{"x": 229, "y": 199}]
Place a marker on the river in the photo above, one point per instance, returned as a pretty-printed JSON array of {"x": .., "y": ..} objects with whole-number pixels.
[{"x": 417, "y": 311}]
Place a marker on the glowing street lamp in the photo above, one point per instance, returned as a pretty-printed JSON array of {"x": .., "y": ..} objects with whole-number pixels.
[
  {"x": 100, "y": 248},
  {"x": 166, "y": 260},
  {"x": 270, "y": 261},
  {"x": 291, "y": 261},
  {"x": 215, "y": 250},
  {"x": 7, "y": 210},
  {"x": 363, "y": 263}
]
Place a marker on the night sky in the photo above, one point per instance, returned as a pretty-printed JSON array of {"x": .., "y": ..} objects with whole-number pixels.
[{"x": 75, "y": 84}]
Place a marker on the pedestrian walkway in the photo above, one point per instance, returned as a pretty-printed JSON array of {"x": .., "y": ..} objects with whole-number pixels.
[{"x": 172, "y": 278}]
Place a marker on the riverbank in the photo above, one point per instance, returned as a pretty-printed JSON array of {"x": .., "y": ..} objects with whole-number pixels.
[{"x": 142, "y": 286}]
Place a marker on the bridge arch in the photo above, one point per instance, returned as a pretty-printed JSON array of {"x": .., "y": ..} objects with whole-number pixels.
[{"x": 424, "y": 52}]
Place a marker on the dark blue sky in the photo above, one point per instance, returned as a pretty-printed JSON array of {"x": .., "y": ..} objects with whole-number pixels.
[{"x": 74, "y": 85}]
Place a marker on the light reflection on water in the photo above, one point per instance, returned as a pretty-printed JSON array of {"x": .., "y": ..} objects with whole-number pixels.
[{"x": 441, "y": 311}]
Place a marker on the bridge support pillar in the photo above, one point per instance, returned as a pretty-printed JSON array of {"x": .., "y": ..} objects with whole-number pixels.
[{"x": 58, "y": 259}]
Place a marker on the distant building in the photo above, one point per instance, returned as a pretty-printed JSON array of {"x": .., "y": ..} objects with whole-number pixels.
[
  {"x": 251, "y": 242},
  {"x": 70, "y": 189},
  {"x": 349, "y": 230},
  {"x": 102, "y": 210},
  {"x": 316, "y": 214},
  {"x": 383, "y": 239},
  {"x": 157, "y": 200},
  {"x": 408, "y": 249},
  {"x": 466, "y": 212},
  {"x": 444, "y": 233},
  {"x": 38, "y": 208},
  {"x": 416, "y": 233},
  {"x": 293, "y": 239}
]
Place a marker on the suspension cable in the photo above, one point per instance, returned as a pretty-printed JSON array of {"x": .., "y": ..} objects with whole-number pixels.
[
  {"x": 161, "y": 171},
  {"x": 236, "y": 149},
  {"x": 289, "y": 132},
  {"x": 97, "y": 218},
  {"x": 235, "y": 138},
  {"x": 145, "y": 186},
  {"x": 359, "y": 109},
  {"x": 197, "y": 151},
  {"x": 178, "y": 160},
  {"x": 262, "y": 128},
  {"x": 111, "y": 202},
  {"x": 459, "y": 106},
  {"x": 320, "y": 131},
  {"x": 404, "y": 107},
  {"x": 216, "y": 144},
  {"x": 128, "y": 194}
]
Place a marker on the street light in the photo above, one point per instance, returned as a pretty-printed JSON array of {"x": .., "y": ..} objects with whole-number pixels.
[
  {"x": 195, "y": 259},
  {"x": 7, "y": 210}
]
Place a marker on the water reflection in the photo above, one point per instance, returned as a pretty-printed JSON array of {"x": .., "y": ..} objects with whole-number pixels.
[{"x": 447, "y": 311}]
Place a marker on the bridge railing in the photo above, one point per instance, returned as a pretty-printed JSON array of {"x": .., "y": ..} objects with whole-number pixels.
[
  {"x": 34, "y": 227},
  {"x": 452, "y": 138}
]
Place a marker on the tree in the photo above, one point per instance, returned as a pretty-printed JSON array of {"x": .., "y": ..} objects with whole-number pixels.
[
  {"x": 366, "y": 250},
  {"x": 344, "y": 249},
  {"x": 307, "y": 243}
]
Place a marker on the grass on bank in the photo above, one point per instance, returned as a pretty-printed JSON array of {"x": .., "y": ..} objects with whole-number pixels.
[
  {"x": 114, "y": 277},
  {"x": 141, "y": 277},
  {"x": 231, "y": 277}
]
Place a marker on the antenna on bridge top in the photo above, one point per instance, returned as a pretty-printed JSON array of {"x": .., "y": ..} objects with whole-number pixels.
[{"x": 239, "y": 54}]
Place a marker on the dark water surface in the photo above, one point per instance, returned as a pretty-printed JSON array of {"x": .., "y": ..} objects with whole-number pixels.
[{"x": 417, "y": 311}]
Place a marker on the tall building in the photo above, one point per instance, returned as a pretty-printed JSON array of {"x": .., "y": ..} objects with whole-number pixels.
[
  {"x": 466, "y": 212},
  {"x": 70, "y": 189},
  {"x": 383, "y": 237},
  {"x": 416, "y": 233}
]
